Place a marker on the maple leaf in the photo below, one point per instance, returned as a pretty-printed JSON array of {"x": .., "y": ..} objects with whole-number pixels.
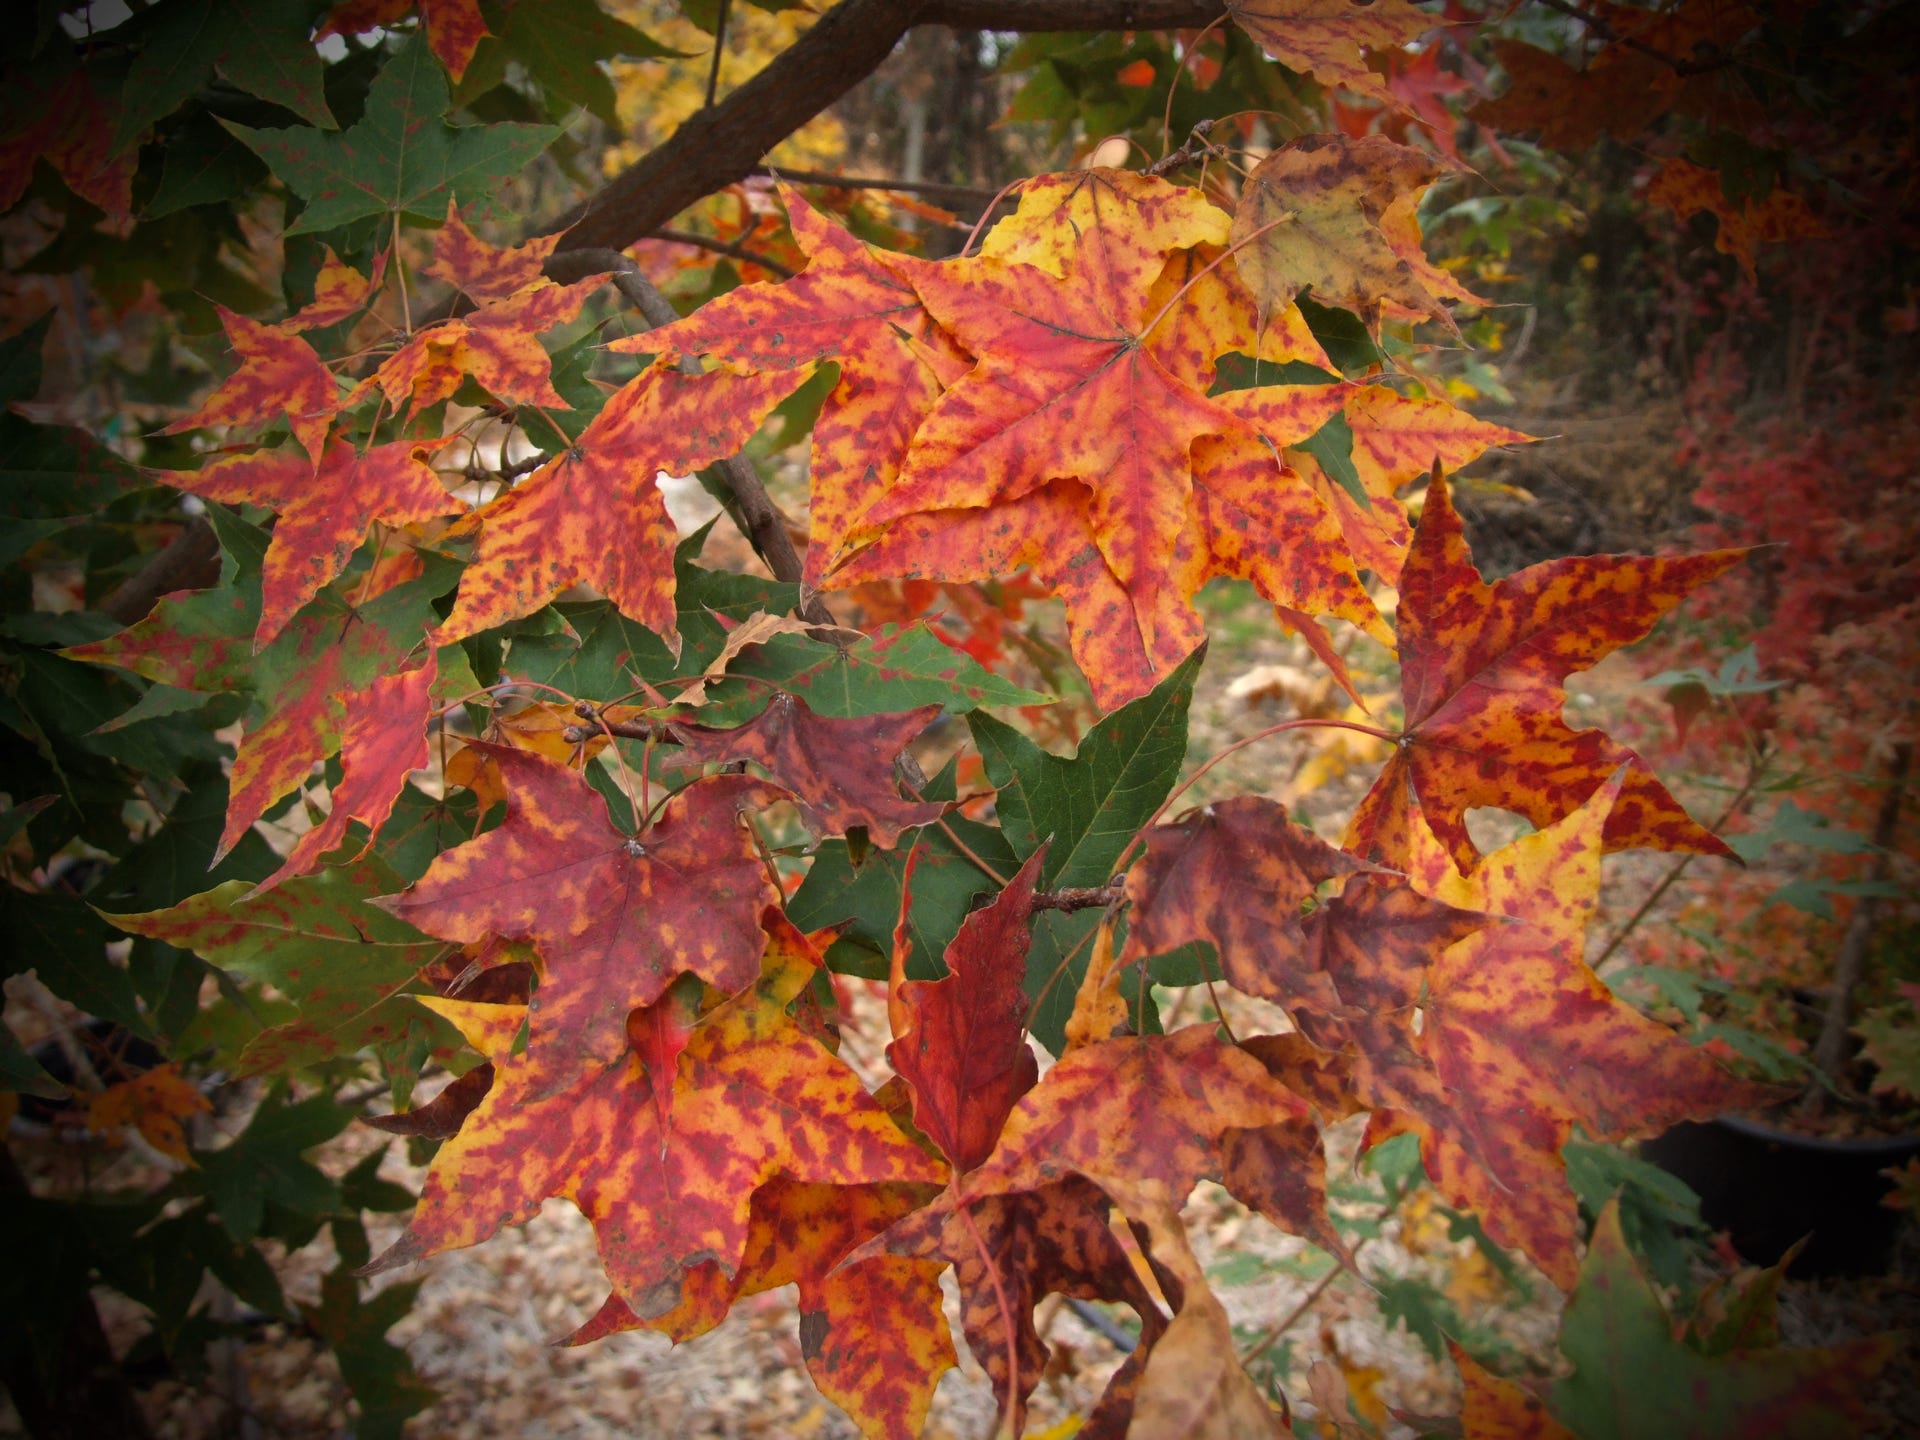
[
  {"x": 1744, "y": 224},
  {"x": 1194, "y": 1386},
  {"x": 400, "y": 157},
  {"x": 1014, "y": 1250},
  {"x": 1239, "y": 875},
  {"x": 261, "y": 48},
  {"x": 279, "y": 374},
  {"x": 1141, "y": 1117},
  {"x": 494, "y": 344},
  {"x": 593, "y": 514},
  {"x": 1210, "y": 313},
  {"x": 1131, "y": 222},
  {"x": 1531, "y": 1043},
  {"x": 60, "y": 119},
  {"x": 454, "y": 27},
  {"x": 1495, "y": 1409},
  {"x": 854, "y": 305},
  {"x": 157, "y": 1102},
  {"x": 1313, "y": 216},
  {"x": 800, "y": 1233},
  {"x": 201, "y": 640},
  {"x": 441, "y": 1117},
  {"x": 1065, "y": 390},
  {"x": 1395, "y": 439},
  {"x": 339, "y": 292},
  {"x": 482, "y": 271},
  {"x": 1483, "y": 671},
  {"x": 616, "y": 917},
  {"x": 1326, "y": 38},
  {"x": 839, "y": 771},
  {"x": 383, "y": 740},
  {"x": 753, "y": 1097},
  {"x": 325, "y": 511},
  {"x": 960, "y": 1041},
  {"x": 1631, "y": 1376},
  {"x": 318, "y": 941}
]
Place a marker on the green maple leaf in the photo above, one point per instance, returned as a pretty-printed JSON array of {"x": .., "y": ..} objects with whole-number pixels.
[
  {"x": 401, "y": 157},
  {"x": 1631, "y": 1377},
  {"x": 261, "y": 47},
  {"x": 315, "y": 939}
]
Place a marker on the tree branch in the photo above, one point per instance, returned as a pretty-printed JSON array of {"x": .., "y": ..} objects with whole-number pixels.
[
  {"x": 763, "y": 522},
  {"x": 724, "y": 247},
  {"x": 725, "y": 143}
]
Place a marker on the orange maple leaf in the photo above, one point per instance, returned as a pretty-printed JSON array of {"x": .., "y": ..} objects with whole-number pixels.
[
  {"x": 157, "y": 1103},
  {"x": 1335, "y": 216},
  {"x": 325, "y": 511},
  {"x": 593, "y": 514},
  {"x": 615, "y": 917},
  {"x": 852, "y": 304},
  {"x": 279, "y": 374},
  {"x": 339, "y": 292},
  {"x": 753, "y": 1098},
  {"x": 1327, "y": 39},
  {"x": 485, "y": 272},
  {"x": 494, "y": 344},
  {"x": 1531, "y": 1043},
  {"x": 1483, "y": 672},
  {"x": 1744, "y": 225}
]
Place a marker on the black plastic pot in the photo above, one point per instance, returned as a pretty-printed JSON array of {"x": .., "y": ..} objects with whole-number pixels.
[{"x": 1768, "y": 1187}]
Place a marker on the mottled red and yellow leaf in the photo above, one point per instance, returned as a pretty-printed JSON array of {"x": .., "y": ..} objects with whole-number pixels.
[
  {"x": 616, "y": 917},
  {"x": 1483, "y": 672},
  {"x": 593, "y": 514},
  {"x": 279, "y": 374},
  {"x": 754, "y": 1098}
]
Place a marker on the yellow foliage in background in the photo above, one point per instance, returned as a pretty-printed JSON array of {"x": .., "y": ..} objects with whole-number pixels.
[{"x": 655, "y": 96}]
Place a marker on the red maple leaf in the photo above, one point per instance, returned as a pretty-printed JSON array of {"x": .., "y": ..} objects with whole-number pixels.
[
  {"x": 960, "y": 1042},
  {"x": 279, "y": 374},
  {"x": 324, "y": 513},
  {"x": 1008, "y": 1253},
  {"x": 615, "y": 917},
  {"x": 1483, "y": 670}
]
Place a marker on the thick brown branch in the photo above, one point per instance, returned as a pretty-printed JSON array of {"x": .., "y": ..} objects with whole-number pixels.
[
  {"x": 190, "y": 561},
  {"x": 725, "y": 143}
]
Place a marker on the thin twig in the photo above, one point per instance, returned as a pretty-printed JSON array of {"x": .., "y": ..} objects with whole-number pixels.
[
  {"x": 932, "y": 189},
  {"x": 1076, "y": 897},
  {"x": 726, "y": 247}
]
